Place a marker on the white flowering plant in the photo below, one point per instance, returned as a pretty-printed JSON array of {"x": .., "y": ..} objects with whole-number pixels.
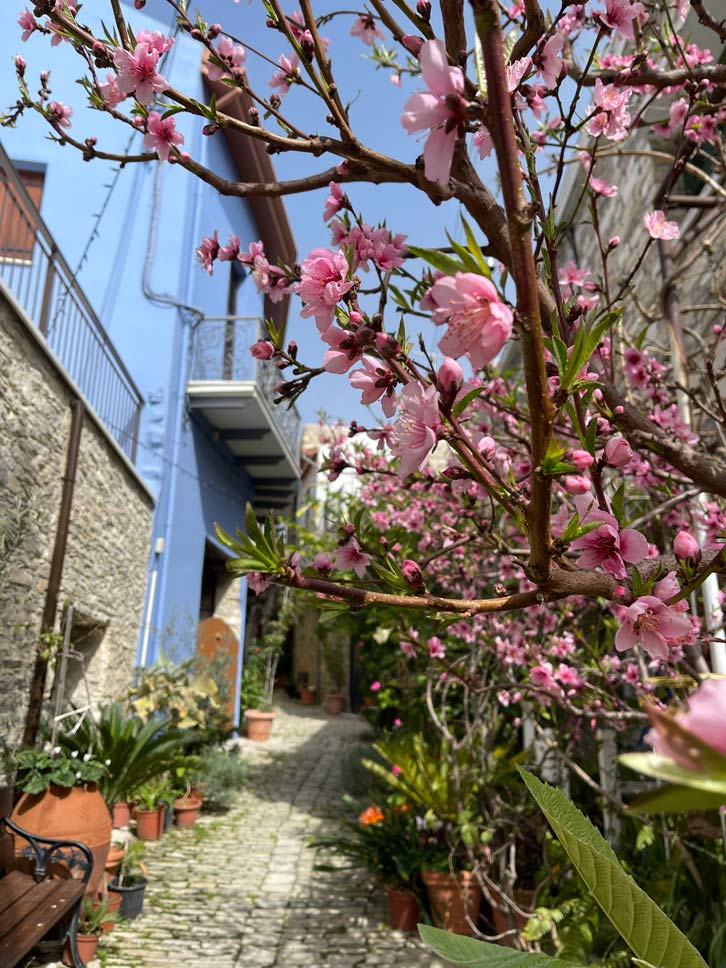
[{"x": 39, "y": 769}]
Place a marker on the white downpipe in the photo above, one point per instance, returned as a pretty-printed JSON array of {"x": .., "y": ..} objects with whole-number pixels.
[{"x": 149, "y": 613}]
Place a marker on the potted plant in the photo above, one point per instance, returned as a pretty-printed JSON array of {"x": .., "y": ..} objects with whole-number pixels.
[
  {"x": 131, "y": 882},
  {"x": 61, "y": 800},
  {"x": 150, "y": 812},
  {"x": 188, "y": 801},
  {"x": 386, "y": 842},
  {"x": 115, "y": 856},
  {"x": 90, "y": 929},
  {"x": 335, "y": 666}
]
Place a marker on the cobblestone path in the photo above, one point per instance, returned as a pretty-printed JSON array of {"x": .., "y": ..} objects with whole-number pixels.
[{"x": 239, "y": 889}]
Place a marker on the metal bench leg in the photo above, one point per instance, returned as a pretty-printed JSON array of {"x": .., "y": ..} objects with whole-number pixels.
[{"x": 72, "y": 935}]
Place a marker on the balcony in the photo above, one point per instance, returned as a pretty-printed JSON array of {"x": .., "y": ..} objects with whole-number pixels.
[
  {"x": 235, "y": 392},
  {"x": 35, "y": 274}
]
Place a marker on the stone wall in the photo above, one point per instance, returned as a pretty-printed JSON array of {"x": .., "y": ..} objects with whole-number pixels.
[{"x": 104, "y": 575}]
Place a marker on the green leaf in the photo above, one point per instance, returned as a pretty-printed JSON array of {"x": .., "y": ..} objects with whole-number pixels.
[
  {"x": 661, "y": 768},
  {"x": 475, "y": 250},
  {"x": 618, "y": 503},
  {"x": 466, "y": 400},
  {"x": 439, "y": 260},
  {"x": 676, "y": 798},
  {"x": 647, "y": 931},
  {"x": 586, "y": 342},
  {"x": 479, "y": 63},
  {"x": 480, "y": 954}
]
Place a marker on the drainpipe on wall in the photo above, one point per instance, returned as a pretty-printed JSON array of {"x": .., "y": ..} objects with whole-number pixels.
[{"x": 47, "y": 624}]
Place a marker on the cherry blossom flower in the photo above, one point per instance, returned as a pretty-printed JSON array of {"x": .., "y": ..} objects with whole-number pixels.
[
  {"x": 334, "y": 202},
  {"x": 288, "y": 73},
  {"x": 350, "y": 557},
  {"x": 577, "y": 484},
  {"x": 231, "y": 56},
  {"x": 659, "y": 227},
  {"x": 155, "y": 40},
  {"x": 345, "y": 349},
  {"x": 323, "y": 563},
  {"x": 686, "y": 546},
  {"x": 483, "y": 142},
  {"x": 609, "y": 115},
  {"x": 262, "y": 350},
  {"x": 552, "y": 65},
  {"x": 408, "y": 649},
  {"x": 110, "y": 92},
  {"x": 620, "y": 14},
  {"x": 582, "y": 459},
  {"x": 601, "y": 187},
  {"x": 257, "y": 582},
  {"x": 542, "y": 676},
  {"x": 137, "y": 72},
  {"x": 441, "y": 109},
  {"x": 207, "y": 252},
  {"x": 415, "y": 433},
  {"x": 60, "y": 114},
  {"x": 436, "y": 648},
  {"x": 479, "y": 323},
  {"x": 618, "y": 452},
  {"x": 376, "y": 381},
  {"x": 704, "y": 717},
  {"x": 653, "y": 625},
  {"x": 323, "y": 283},
  {"x": 161, "y": 134},
  {"x": 229, "y": 251},
  {"x": 375, "y": 686},
  {"x": 27, "y": 23},
  {"x": 364, "y": 27},
  {"x": 608, "y": 547}
]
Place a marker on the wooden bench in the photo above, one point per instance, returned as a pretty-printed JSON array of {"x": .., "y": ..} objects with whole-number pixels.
[{"x": 32, "y": 903}]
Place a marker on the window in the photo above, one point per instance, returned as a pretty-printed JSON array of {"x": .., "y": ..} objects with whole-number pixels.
[
  {"x": 17, "y": 221},
  {"x": 236, "y": 275}
]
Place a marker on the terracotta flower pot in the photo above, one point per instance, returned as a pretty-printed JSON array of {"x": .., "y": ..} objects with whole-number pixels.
[
  {"x": 87, "y": 944},
  {"x": 504, "y": 919},
  {"x": 307, "y": 695},
  {"x": 404, "y": 912},
  {"x": 259, "y": 725},
  {"x": 186, "y": 811},
  {"x": 149, "y": 824},
  {"x": 114, "y": 903},
  {"x": 78, "y": 813},
  {"x": 113, "y": 861},
  {"x": 334, "y": 703},
  {"x": 454, "y": 900},
  {"x": 121, "y": 814}
]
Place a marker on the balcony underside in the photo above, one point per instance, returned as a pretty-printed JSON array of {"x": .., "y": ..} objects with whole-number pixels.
[{"x": 243, "y": 421}]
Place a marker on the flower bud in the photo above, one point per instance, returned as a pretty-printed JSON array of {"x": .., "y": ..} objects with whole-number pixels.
[
  {"x": 139, "y": 4},
  {"x": 387, "y": 346},
  {"x": 686, "y": 546},
  {"x": 582, "y": 459},
  {"x": 450, "y": 374},
  {"x": 20, "y": 65},
  {"x": 577, "y": 484},
  {"x": 412, "y": 573},
  {"x": 412, "y": 43},
  {"x": 618, "y": 452},
  {"x": 423, "y": 9},
  {"x": 214, "y": 31},
  {"x": 262, "y": 350}
]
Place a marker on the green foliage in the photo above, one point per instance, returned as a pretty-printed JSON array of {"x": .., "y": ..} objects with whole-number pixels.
[
  {"x": 135, "y": 752},
  {"x": 358, "y": 781},
  {"x": 333, "y": 656},
  {"x": 258, "y": 675},
  {"x": 38, "y": 769},
  {"x": 95, "y": 915},
  {"x": 151, "y": 795},
  {"x": 220, "y": 776},
  {"x": 480, "y": 954},
  {"x": 133, "y": 870},
  {"x": 187, "y": 698}
]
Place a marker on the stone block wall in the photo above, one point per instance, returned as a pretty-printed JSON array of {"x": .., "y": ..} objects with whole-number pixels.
[{"x": 104, "y": 575}]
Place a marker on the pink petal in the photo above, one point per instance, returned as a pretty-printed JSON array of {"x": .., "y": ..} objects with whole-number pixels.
[
  {"x": 440, "y": 78},
  {"x": 633, "y": 546},
  {"x": 438, "y": 155}
]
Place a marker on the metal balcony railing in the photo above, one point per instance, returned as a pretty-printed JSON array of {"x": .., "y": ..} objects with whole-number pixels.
[
  {"x": 36, "y": 274},
  {"x": 222, "y": 352}
]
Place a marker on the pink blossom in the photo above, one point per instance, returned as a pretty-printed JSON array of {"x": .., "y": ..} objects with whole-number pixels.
[
  {"x": 441, "y": 109},
  {"x": 551, "y": 63},
  {"x": 568, "y": 677},
  {"x": 479, "y": 322},
  {"x": 658, "y": 226},
  {"x": 207, "y": 252},
  {"x": 450, "y": 376},
  {"x": 415, "y": 433},
  {"x": 345, "y": 349},
  {"x": 376, "y": 381},
  {"x": 618, "y": 452},
  {"x": 577, "y": 484},
  {"x": 704, "y": 717},
  {"x": 408, "y": 649},
  {"x": 155, "y": 40},
  {"x": 258, "y": 583},
  {"x": 601, "y": 187},
  {"x": 396, "y": 770},
  {"x": 542, "y": 677},
  {"x": 350, "y": 557},
  {"x": 288, "y": 73},
  {"x": 137, "y": 72},
  {"x": 20, "y": 64},
  {"x": 334, "y": 202},
  {"x": 27, "y": 23},
  {"x": 60, "y": 114},
  {"x": 231, "y": 57},
  {"x": 161, "y": 134},
  {"x": 609, "y": 115},
  {"x": 686, "y": 546},
  {"x": 483, "y": 142},
  {"x": 230, "y": 251},
  {"x": 262, "y": 350},
  {"x": 653, "y": 625},
  {"x": 607, "y": 547},
  {"x": 582, "y": 459},
  {"x": 364, "y": 27},
  {"x": 436, "y": 648},
  {"x": 620, "y": 14},
  {"x": 375, "y": 686},
  {"x": 323, "y": 283},
  {"x": 395, "y": 79},
  {"x": 323, "y": 563},
  {"x": 110, "y": 92}
]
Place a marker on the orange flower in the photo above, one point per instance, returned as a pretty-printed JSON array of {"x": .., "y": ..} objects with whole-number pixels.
[{"x": 371, "y": 815}]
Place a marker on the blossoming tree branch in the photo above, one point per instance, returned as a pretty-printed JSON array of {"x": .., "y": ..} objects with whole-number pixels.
[{"x": 547, "y": 409}]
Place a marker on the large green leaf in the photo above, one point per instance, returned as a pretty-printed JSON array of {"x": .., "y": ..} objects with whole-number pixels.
[
  {"x": 480, "y": 954},
  {"x": 647, "y": 931},
  {"x": 662, "y": 768},
  {"x": 674, "y": 798}
]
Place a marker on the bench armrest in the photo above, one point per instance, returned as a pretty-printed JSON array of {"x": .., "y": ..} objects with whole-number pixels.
[{"x": 54, "y": 850}]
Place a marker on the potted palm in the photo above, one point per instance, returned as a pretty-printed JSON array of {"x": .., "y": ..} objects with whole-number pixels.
[{"x": 131, "y": 882}]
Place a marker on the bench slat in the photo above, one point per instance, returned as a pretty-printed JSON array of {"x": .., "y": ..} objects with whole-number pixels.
[
  {"x": 12, "y": 888},
  {"x": 33, "y": 915}
]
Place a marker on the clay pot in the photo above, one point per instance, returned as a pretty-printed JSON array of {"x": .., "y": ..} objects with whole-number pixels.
[
  {"x": 334, "y": 703},
  {"x": 78, "y": 813},
  {"x": 113, "y": 861},
  {"x": 259, "y": 725},
  {"x": 114, "y": 903},
  {"x": 186, "y": 811},
  {"x": 453, "y": 898},
  {"x": 121, "y": 816},
  {"x": 87, "y": 944},
  {"x": 504, "y": 919},
  {"x": 404, "y": 912},
  {"x": 149, "y": 823},
  {"x": 307, "y": 695}
]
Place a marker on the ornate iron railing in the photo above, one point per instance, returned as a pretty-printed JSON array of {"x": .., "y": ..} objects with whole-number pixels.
[
  {"x": 221, "y": 351},
  {"x": 36, "y": 274}
]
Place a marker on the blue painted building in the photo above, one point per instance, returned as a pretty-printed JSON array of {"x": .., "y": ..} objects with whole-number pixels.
[{"x": 208, "y": 438}]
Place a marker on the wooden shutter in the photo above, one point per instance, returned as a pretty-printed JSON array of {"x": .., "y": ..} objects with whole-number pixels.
[{"x": 17, "y": 223}]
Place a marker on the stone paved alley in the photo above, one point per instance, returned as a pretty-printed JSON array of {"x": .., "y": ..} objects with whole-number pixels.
[{"x": 239, "y": 889}]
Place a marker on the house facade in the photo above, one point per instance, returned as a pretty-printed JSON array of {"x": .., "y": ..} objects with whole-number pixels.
[{"x": 206, "y": 439}]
